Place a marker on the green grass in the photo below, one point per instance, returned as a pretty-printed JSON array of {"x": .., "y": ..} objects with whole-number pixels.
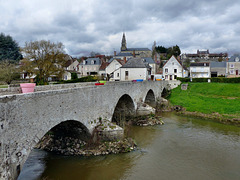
[
  {"x": 207, "y": 98},
  {"x": 3, "y": 86}
]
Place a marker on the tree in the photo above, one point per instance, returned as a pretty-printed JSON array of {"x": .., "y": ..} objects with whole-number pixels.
[
  {"x": 9, "y": 49},
  {"x": 161, "y": 49},
  {"x": 187, "y": 62},
  {"x": 174, "y": 50},
  {"x": 8, "y": 71},
  {"x": 44, "y": 59}
]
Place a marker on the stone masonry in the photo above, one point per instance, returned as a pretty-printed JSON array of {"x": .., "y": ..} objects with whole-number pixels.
[{"x": 26, "y": 118}]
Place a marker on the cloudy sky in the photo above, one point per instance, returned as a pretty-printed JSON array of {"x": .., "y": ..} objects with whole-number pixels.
[{"x": 97, "y": 25}]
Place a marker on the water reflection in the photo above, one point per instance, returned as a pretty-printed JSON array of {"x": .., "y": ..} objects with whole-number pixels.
[{"x": 183, "y": 148}]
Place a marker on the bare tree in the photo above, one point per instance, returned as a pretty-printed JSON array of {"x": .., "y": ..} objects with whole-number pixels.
[
  {"x": 44, "y": 59},
  {"x": 8, "y": 71}
]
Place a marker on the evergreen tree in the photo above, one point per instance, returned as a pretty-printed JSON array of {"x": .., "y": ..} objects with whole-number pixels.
[{"x": 9, "y": 49}]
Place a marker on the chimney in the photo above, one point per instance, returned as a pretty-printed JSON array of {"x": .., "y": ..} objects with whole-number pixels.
[
  {"x": 115, "y": 53},
  {"x": 134, "y": 53},
  {"x": 125, "y": 59}
]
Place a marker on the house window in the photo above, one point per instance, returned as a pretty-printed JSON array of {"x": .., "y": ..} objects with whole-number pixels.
[
  {"x": 175, "y": 70},
  {"x": 166, "y": 70},
  {"x": 166, "y": 77},
  {"x": 231, "y": 72},
  {"x": 173, "y": 63},
  {"x": 117, "y": 74},
  {"x": 175, "y": 76},
  {"x": 126, "y": 75},
  {"x": 231, "y": 65}
]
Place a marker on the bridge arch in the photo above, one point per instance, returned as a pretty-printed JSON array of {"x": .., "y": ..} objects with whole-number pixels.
[
  {"x": 150, "y": 98},
  {"x": 69, "y": 128},
  {"x": 164, "y": 92},
  {"x": 124, "y": 107}
]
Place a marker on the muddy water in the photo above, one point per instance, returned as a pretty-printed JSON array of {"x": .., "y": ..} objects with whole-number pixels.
[{"x": 183, "y": 148}]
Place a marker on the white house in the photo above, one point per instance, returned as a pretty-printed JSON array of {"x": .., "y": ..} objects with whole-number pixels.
[
  {"x": 71, "y": 66},
  {"x": 233, "y": 66},
  {"x": 134, "y": 69},
  {"x": 113, "y": 69},
  {"x": 200, "y": 70},
  {"x": 173, "y": 69},
  {"x": 90, "y": 66}
]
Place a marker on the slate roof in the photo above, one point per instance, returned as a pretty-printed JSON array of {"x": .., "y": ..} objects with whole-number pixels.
[
  {"x": 149, "y": 60},
  {"x": 218, "y": 64},
  {"x": 135, "y": 63},
  {"x": 124, "y": 54},
  {"x": 232, "y": 58},
  {"x": 88, "y": 61},
  {"x": 138, "y": 49}
]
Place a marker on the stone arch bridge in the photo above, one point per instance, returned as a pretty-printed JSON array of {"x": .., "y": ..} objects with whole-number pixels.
[{"x": 26, "y": 118}]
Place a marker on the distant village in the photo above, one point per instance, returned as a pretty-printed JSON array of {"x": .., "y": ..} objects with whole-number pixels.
[{"x": 145, "y": 64}]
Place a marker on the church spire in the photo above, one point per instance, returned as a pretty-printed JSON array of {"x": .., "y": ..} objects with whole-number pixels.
[{"x": 124, "y": 43}]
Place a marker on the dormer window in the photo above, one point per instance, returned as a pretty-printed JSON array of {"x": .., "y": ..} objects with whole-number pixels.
[
  {"x": 237, "y": 59},
  {"x": 93, "y": 62}
]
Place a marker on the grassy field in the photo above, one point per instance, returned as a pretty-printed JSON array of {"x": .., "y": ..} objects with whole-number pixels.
[
  {"x": 3, "y": 86},
  {"x": 207, "y": 98}
]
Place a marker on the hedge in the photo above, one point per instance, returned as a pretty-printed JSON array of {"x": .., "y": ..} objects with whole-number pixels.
[
  {"x": 83, "y": 79},
  {"x": 213, "y": 79}
]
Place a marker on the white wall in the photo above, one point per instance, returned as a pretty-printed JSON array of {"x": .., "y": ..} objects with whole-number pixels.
[
  {"x": 172, "y": 64},
  {"x": 133, "y": 74},
  {"x": 114, "y": 67},
  {"x": 200, "y": 71},
  {"x": 84, "y": 69}
]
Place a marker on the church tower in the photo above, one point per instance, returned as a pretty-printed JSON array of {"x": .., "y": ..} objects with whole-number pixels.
[{"x": 124, "y": 43}]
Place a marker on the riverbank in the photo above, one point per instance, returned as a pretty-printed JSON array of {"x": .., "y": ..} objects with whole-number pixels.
[
  {"x": 217, "y": 101},
  {"x": 225, "y": 119}
]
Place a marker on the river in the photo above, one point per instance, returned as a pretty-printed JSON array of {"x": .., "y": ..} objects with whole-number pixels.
[{"x": 182, "y": 148}]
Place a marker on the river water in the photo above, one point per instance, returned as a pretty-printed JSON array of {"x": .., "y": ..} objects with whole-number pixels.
[{"x": 182, "y": 148}]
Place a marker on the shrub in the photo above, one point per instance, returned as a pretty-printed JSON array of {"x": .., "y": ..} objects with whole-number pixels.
[
  {"x": 213, "y": 79},
  {"x": 83, "y": 79}
]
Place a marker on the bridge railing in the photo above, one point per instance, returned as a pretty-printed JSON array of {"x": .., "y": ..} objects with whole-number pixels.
[{"x": 17, "y": 90}]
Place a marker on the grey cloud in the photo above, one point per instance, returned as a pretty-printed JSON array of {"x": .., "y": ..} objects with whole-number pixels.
[{"x": 85, "y": 26}]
